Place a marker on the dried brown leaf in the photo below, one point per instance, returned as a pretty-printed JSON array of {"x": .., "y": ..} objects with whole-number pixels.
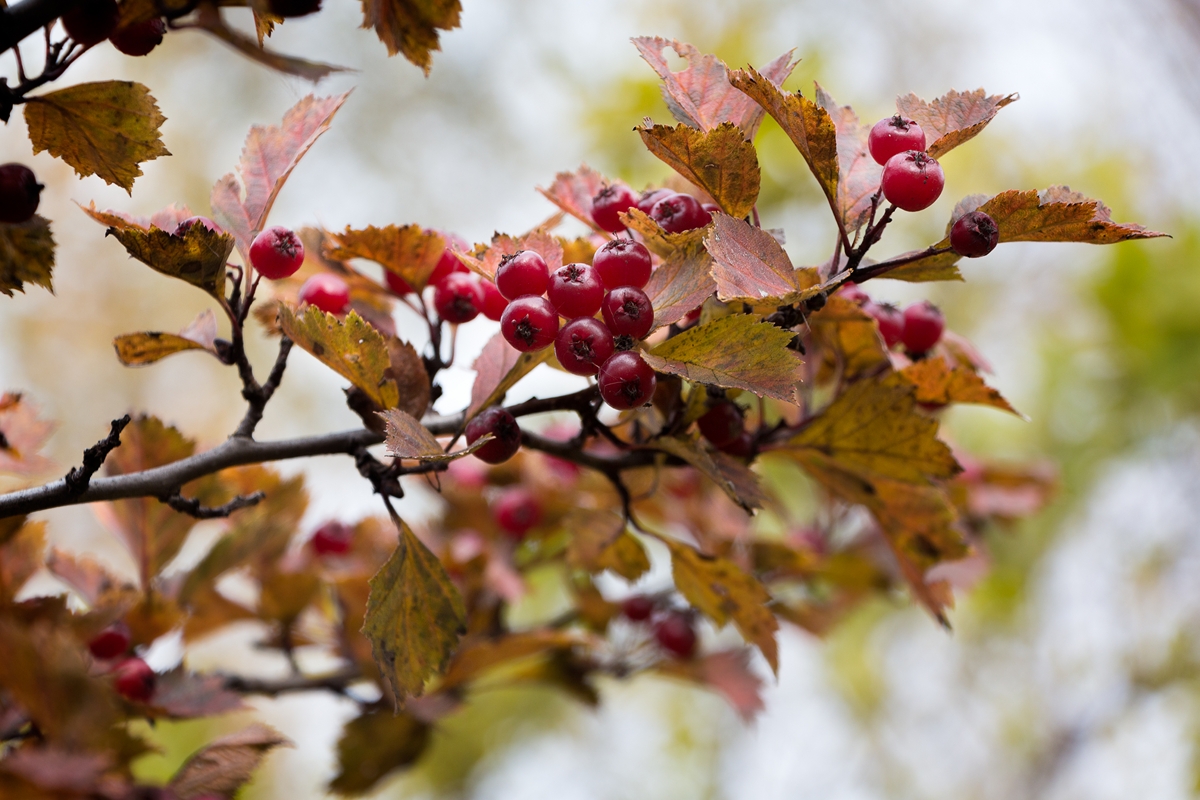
[
  {"x": 26, "y": 254},
  {"x": 225, "y": 763}
]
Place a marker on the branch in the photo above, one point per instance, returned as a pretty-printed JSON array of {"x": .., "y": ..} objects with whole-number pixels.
[
  {"x": 191, "y": 506},
  {"x": 27, "y": 17},
  {"x": 883, "y": 267},
  {"x": 258, "y": 396},
  {"x": 78, "y": 478},
  {"x": 337, "y": 681}
]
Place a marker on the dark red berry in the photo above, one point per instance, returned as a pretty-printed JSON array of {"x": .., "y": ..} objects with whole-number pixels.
[
  {"x": 677, "y": 213},
  {"x": 626, "y": 381},
  {"x": 638, "y": 608},
  {"x": 649, "y": 197},
  {"x": 277, "y": 253},
  {"x": 893, "y": 135},
  {"x": 675, "y": 634},
  {"x": 623, "y": 262},
  {"x": 501, "y": 425},
  {"x": 722, "y": 424},
  {"x": 493, "y": 302},
  {"x": 91, "y": 21},
  {"x": 111, "y": 642},
  {"x": 923, "y": 326},
  {"x": 529, "y": 323},
  {"x": 458, "y": 298},
  {"x": 396, "y": 283},
  {"x": 890, "y": 319},
  {"x": 912, "y": 180},
  {"x": 575, "y": 290},
  {"x": 974, "y": 234},
  {"x": 327, "y": 292},
  {"x": 627, "y": 312},
  {"x": 182, "y": 228},
  {"x": 449, "y": 262},
  {"x": 139, "y": 38},
  {"x": 516, "y": 510},
  {"x": 19, "y": 193},
  {"x": 742, "y": 447},
  {"x": 293, "y": 8},
  {"x": 134, "y": 680},
  {"x": 711, "y": 208},
  {"x": 524, "y": 272},
  {"x": 609, "y": 203},
  {"x": 332, "y": 539},
  {"x": 583, "y": 345}
]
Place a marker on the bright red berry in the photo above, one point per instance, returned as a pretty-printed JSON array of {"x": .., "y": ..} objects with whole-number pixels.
[
  {"x": 448, "y": 263},
  {"x": 493, "y": 302},
  {"x": 923, "y": 326},
  {"x": 627, "y": 312},
  {"x": 626, "y": 381},
  {"x": 91, "y": 21},
  {"x": 575, "y": 290},
  {"x": 182, "y": 228},
  {"x": 711, "y": 208},
  {"x": 583, "y": 345},
  {"x": 529, "y": 323},
  {"x": 524, "y": 272},
  {"x": 515, "y": 511},
  {"x": 139, "y": 38},
  {"x": 503, "y": 426},
  {"x": 277, "y": 253},
  {"x": 19, "y": 193},
  {"x": 974, "y": 234},
  {"x": 638, "y": 608},
  {"x": 675, "y": 634},
  {"x": 677, "y": 213},
  {"x": 893, "y": 135},
  {"x": 458, "y": 298},
  {"x": 649, "y": 197},
  {"x": 609, "y": 203},
  {"x": 397, "y": 284},
  {"x": 110, "y": 642},
  {"x": 327, "y": 292},
  {"x": 912, "y": 180},
  {"x": 623, "y": 262},
  {"x": 332, "y": 539},
  {"x": 293, "y": 8},
  {"x": 134, "y": 680},
  {"x": 722, "y": 424},
  {"x": 890, "y": 319}
]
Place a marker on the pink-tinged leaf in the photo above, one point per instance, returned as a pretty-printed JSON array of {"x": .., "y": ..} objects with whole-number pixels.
[
  {"x": 539, "y": 241},
  {"x": 169, "y": 218},
  {"x": 186, "y": 695},
  {"x": 750, "y": 266},
  {"x": 498, "y": 369},
  {"x": 224, "y": 764},
  {"x": 729, "y": 673},
  {"x": 1058, "y": 214},
  {"x": 55, "y": 770},
  {"x": 858, "y": 174},
  {"x": 226, "y": 201},
  {"x": 22, "y": 434},
  {"x": 408, "y": 438},
  {"x": 83, "y": 574},
  {"x": 953, "y": 118},
  {"x": 115, "y": 219},
  {"x": 573, "y": 192}
]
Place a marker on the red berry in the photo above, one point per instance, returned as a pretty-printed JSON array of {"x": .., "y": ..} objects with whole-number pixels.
[
  {"x": 626, "y": 381},
  {"x": 515, "y": 511},
  {"x": 397, "y": 284},
  {"x": 332, "y": 539},
  {"x": 134, "y": 680},
  {"x": 91, "y": 21},
  {"x": 912, "y": 180},
  {"x": 458, "y": 298},
  {"x": 854, "y": 293},
  {"x": 677, "y": 213},
  {"x": 500, "y": 424},
  {"x": 583, "y": 345},
  {"x": 524, "y": 272},
  {"x": 293, "y": 8},
  {"x": 327, "y": 292},
  {"x": 693, "y": 315},
  {"x": 923, "y": 326},
  {"x": 675, "y": 634},
  {"x": 893, "y": 135},
  {"x": 974, "y": 234},
  {"x": 110, "y": 642},
  {"x": 623, "y": 262},
  {"x": 19, "y": 193},
  {"x": 448, "y": 263},
  {"x": 891, "y": 322},
  {"x": 529, "y": 323},
  {"x": 139, "y": 38},
  {"x": 493, "y": 302},
  {"x": 575, "y": 290},
  {"x": 627, "y": 312},
  {"x": 722, "y": 424},
  {"x": 711, "y": 208},
  {"x": 742, "y": 447},
  {"x": 277, "y": 253},
  {"x": 182, "y": 228},
  {"x": 649, "y": 197},
  {"x": 609, "y": 203},
  {"x": 638, "y": 608}
]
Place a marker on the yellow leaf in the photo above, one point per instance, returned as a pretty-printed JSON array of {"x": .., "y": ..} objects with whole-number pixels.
[
  {"x": 139, "y": 349},
  {"x": 408, "y": 438},
  {"x": 409, "y": 251},
  {"x": 735, "y": 479},
  {"x": 849, "y": 340},
  {"x": 26, "y": 254},
  {"x": 411, "y": 27},
  {"x": 599, "y": 541},
  {"x": 658, "y": 241},
  {"x": 719, "y": 161},
  {"x": 938, "y": 384},
  {"x": 1058, "y": 214},
  {"x": 938, "y": 267},
  {"x": 353, "y": 349},
  {"x": 197, "y": 257}
]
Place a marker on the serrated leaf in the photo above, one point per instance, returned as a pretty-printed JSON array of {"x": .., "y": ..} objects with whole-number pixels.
[
  {"x": 407, "y": 369},
  {"x": 352, "y": 349},
  {"x": 741, "y": 486},
  {"x": 411, "y": 27},
  {"x": 408, "y": 251},
  {"x": 489, "y": 257},
  {"x": 658, "y": 241},
  {"x": 1058, "y": 214},
  {"x": 573, "y": 192},
  {"x": 140, "y": 349},
  {"x": 954, "y": 118},
  {"x": 849, "y": 340},
  {"x": 197, "y": 257},
  {"x": 858, "y": 174},
  {"x": 106, "y": 129},
  {"x": 939, "y": 384},
  {"x": 497, "y": 369},
  {"x": 374, "y": 744},
  {"x": 750, "y": 266},
  {"x": 224, "y": 764},
  {"x": 680, "y": 284},
  {"x": 26, "y": 254},
  {"x": 22, "y": 434},
  {"x": 408, "y": 438},
  {"x": 720, "y": 161}
]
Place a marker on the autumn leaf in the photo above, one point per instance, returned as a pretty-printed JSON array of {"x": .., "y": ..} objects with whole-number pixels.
[
  {"x": 408, "y": 251},
  {"x": 84, "y": 574},
  {"x": 106, "y": 129},
  {"x": 26, "y": 254},
  {"x": 140, "y": 349},
  {"x": 750, "y": 266},
  {"x": 351, "y": 348},
  {"x": 210, "y": 20},
  {"x": 408, "y": 438},
  {"x": 849, "y": 340},
  {"x": 539, "y": 241},
  {"x": 736, "y": 480},
  {"x": 1058, "y": 214},
  {"x": 22, "y": 434},
  {"x": 719, "y": 161},
  {"x": 180, "y": 694},
  {"x": 660, "y": 242},
  {"x": 858, "y": 174},
  {"x": 225, "y": 763},
  {"x": 726, "y": 672},
  {"x": 21, "y": 556},
  {"x": 497, "y": 369},
  {"x": 573, "y": 192},
  {"x": 680, "y": 284},
  {"x": 934, "y": 267},
  {"x": 374, "y": 744},
  {"x": 197, "y": 257},
  {"x": 954, "y": 118},
  {"x": 480, "y": 654},
  {"x": 939, "y": 384},
  {"x": 599, "y": 541},
  {"x": 54, "y": 772},
  {"x": 411, "y": 27},
  {"x": 407, "y": 369}
]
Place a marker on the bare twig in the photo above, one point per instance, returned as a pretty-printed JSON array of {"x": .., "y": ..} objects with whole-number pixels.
[
  {"x": 337, "y": 681},
  {"x": 258, "y": 396},
  {"x": 191, "y": 506},
  {"x": 78, "y": 478}
]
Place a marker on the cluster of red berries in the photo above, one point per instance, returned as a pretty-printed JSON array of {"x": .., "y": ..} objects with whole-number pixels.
[
  {"x": 132, "y": 677},
  {"x": 93, "y": 21},
  {"x": 918, "y": 327},
  {"x": 912, "y": 180},
  {"x": 672, "y": 629},
  {"x": 673, "y": 211},
  {"x": 458, "y": 296}
]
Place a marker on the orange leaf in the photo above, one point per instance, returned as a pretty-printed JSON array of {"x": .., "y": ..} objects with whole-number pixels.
[
  {"x": 750, "y": 266},
  {"x": 954, "y": 118},
  {"x": 939, "y": 384},
  {"x": 573, "y": 192},
  {"x": 409, "y": 251}
]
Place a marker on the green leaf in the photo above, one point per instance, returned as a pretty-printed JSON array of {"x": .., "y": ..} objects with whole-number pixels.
[
  {"x": 351, "y": 348},
  {"x": 411, "y": 26},
  {"x": 954, "y": 118},
  {"x": 719, "y": 161},
  {"x": 374, "y": 744},
  {"x": 750, "y": 266},
  {"x": 409, "y": 251},
  {"x": 26, "y": 254},
  {"x": 197, "y": 257}
]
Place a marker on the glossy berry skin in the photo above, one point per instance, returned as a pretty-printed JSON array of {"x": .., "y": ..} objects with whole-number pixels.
[
  {"x": 923, "y": 326},
  {"x": 19, "y": 193},
  {"x": 649, "y": 197},
  {"x": 515, "y": 511},
  {"x": 134, "y": 680},
  {"x": 182, "y": 228},
  {"x": 139, "y": 38},
  {"x": 91, "y": 21},
  {"x": 893, "y": 135},
  {"x": 448, "y": 263},
  {"x": 722, "y": 424},
  {"x": 398, "y": 285},
  {"x": 623, "y": 262},
  {"x": 677, "y": 213},
  {"x": 493, "y": 302},
  {"x": 974, "y": 234},
  {"x": 583, "y": 345},
  {"x": 293, "y": 8},
  {"x": 627, "y": 312},
  {"x": 912, "y": 180},
  {"x": 575, "y": 290},
  {"x": 675, "y": 634},
  {"x": 332, "y": 539},
  {"x": 626, "y": 381},
  {"x": 277, "y": 253},
  {"x": 524, "y": 272},
  {"x": 327, "y": 292},
  {"x": 891, "y": 322},
  {"x": 608, "y": 205},
  {"x": 637, "y": 608},
  {"x": 500, "y": 424},
  {"x": 458, "y": 298},
  {"x": 111, "y": 642},
  {"x": 529, "y": 323}
]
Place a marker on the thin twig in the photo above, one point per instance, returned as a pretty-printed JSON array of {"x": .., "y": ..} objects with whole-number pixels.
[
  {"x": 337, "y": 681},
  {"x": 258, "y": 396},
  {"x": 191, "y": 506},
  {"x": 78, "y": 478}
]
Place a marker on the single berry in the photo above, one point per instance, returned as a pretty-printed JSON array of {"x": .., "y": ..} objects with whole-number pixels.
[
  {"x": 529, "y": 323},
  {"x": 649, "y": 197},
  {"x": 493, "y": 302},
  {"x": 893, "y": 135},
  {"x": 626, "y": 381},
  {"x": 609, "y": 203},
  {"x": 692, "y": 316},
  {"x": 110, "y": 642},
  {"x": 19, "y": 193},
  {"x": 524, "y": 272},
  {"x": 711, "y": 208},
  {"x": 458, "y": 298},
  {"x": 974, "y": 234},
  {"x": 722, "y": 424},
  {"x": 677, "y": 213},
  {"x": 515, "y": 511},
  {"x": 503, "y": 426},
  {"x": 627, "y": 312},
  {"x": 923, "y": 326},
  {"x": 623, "y": 262},
  {"x": 854, "y": 293},
  {"x": 638, "y": 608},
  {"x": 448, "y": 263},
  {"x": 139, "y": 38},
  {"x": 327, "y": 292},
  {"x": 134, "y": 680},
  {"x": 397, "y": 284},
  {"x": 204, "y": 222},
  {"x": 583, "y": 345},
  {"x": 891, "y": 322},
  {"x": 742, "y": 447},
  {"x": 912, "y": 180},
  {"x": 91, "y": 21},
  {"x": 675, "y": 634},
  {"x": 332, "y": 539},
  {"x": 293, "y": 8},
  {"x": 277, "y": 253},
  {"x": 576, "y": 290}
]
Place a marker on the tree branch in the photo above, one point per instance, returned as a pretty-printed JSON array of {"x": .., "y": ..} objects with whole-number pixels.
[
  {"x": 337, "y": 681},
  {"x": 191, "y": 506},
  {"x": 27, "y": 17},
  {"x": 258, "y": 396},
  {"x": 78, "y": 478}
]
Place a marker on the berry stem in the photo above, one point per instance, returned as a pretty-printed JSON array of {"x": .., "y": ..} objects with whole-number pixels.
[{"x": 884, "y": 267}]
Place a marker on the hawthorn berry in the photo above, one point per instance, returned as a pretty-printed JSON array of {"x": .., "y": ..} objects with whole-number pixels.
[
  {"x": 623, "y": 262},
  {"x": 854, "y": 293},
  {"x": 742, "y": 446},
  {"x": 649, "y": 197},
  {"x": 515, "y": 511},
  {"x": 627, "y": 312},
  {"x": 293, "y": 8},
  {"x": 576, "y": 290},
  {"x": 91, "y": 21},
  {"x": 722, "y": 424},
  {"x": 327, "y": 292},
  {"x": 638, "y": 608},
  {"x": 134, "y": 680},
  {"x": 912, "y": 180},
  {"x": 493, "y": 302},
  {"x": 503, "y": 426},
  {"x": 183, "y": 227},
  {"x": 277, "y": 253},
  {"x": 675, "y": 634},
  {"x": 626, "y": 381},
  {"x": 529, "y": 323},
  {"x": 974, "y": 234},
  {"x": 711, "y": 208},
  {"x": 110, "y": 642},
  {"x": 677, "y": 213},
  {"x": 458, "y": 298},
  {"x": 893, "y": 135},
  {"x": 332, "y": 539},
  {"x": 448, "y": 263},
  {"x": 524, "y": 272},
  {"x": 583, "y": 345},
  {"x": 397, "y": 284},
  {"x": 139, "y": 38},
  {"x": 890, "y": 320},
  {"x": 923, "y": 326},
  {"x": 608, "y": 205},
  {"x": 19, "y": 193}
]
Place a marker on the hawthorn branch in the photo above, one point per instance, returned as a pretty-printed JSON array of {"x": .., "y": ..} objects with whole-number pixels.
[
  {"x": 258, "y": 396},
  {"x": 191, "y": 506},
  {"x": 337, "y": 681},
  {"x": 78, "y": 478},
  {"x": 883, "y": 267},
  {"x": 25, "y": 18}
]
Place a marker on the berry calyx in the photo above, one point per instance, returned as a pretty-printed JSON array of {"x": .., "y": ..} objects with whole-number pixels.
[
  {"x": 134, "y": 680},
  {"x": 332, "y": 539},
  {"x": 912, "y": 180},
  {"x": 675, "y": 634},
  {"x": 677, "y": 213},
  {"x": 623, "y": 262},
  {"x": 277, "y": 253},
  {"x": 91, "y": 21},
  {"x": 515, "y": 511},
  {"x": 524, "y": 272},
  {"x": 890, "y": 320},
  {"x": 293, "y": 8},
  {"x": 576, "y": 290},
  {"x": 327, "y": 292},
  {"x": 183, "y": 227},
  {"x": 529, "y": 323},
  {"x": 503, "y": 426},
  {"x": 110, "y": 642},
  {"x": 19, "y": 193},
  {"x": 608, "y": 205},
  {"x": 139, "y": 38},
  {"x": 583, "y": 345},
  {"x": 493, "y": 302},
  {"x": 448, "y": 263},
  {"x": 722, "y": 424},
  {"x": 893, "y": 135},
  {"x": 458, "y": 298},
  {"x": 638, "y": 608},
  {"x": 649, "y": 197},
  {"x": 923, "y": 327},
  {"x": 626, "y": 381},
  {"x": 627, "y": 312},
  {"x": 397, "y": 284},
  {"x": 974, "y": 234}
]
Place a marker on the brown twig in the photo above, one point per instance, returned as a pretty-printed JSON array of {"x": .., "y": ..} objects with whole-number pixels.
[{"x": 78, "y": 478}]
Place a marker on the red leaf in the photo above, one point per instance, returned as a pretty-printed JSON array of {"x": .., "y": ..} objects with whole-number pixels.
[
  {"x": 22, "y": 434},
  {"x": 858, "y": 174},
  {"x": 573, "y": 192},
  {"x": 749, "y": 265}
]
